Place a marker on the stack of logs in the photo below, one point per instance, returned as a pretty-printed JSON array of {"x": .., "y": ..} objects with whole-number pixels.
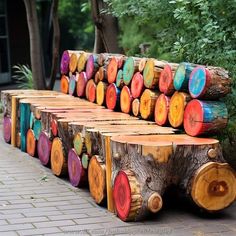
[
  {"x": 180, "y": 95},
  {"x": 127, "y": 163}
]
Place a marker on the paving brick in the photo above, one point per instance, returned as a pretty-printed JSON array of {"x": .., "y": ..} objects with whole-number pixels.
[
  {"x": 15, "y": 206},
  {"x": 5, "y": 228},
  {"x": 3, "y": 222},
  {"x": 10, "y": 234},
  {"x": 75, "y": 206},
  {"x": 56, "y": 223},
  {"x": 28, "y": 220},
  {"x": 94, "y": 220},
  {"x": 42, "y": 213},
  {"x": 11, "y": 216},
  {"x": 41, "y": 231},
  {"x": 67, "y": 217}
]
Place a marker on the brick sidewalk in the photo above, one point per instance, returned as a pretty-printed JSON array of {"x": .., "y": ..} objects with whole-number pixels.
[{"x": 35, "y": 202}]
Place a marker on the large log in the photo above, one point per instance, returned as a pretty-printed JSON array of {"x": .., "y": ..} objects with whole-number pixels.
[
  {"x": 112, "y": 97},
  {"x": 101, "y": 93},
  {"x": 31, "y": 143},
  {"x": 90, "y": 91},
  {"x": 82, "y": 61},
  {"x": 130, "y": 67},
  {"x": 137, "y": 85},
  {"x": 205, "y": 117},
  {"x": 162, "y": 110},
  {"x": 81, "y": 84},
  {"x": 64, "y": 84},
  {"x": 209, "y": 83},
  {"x": 91, "y": 66},
  {"x": 119, "y": 79},
  {"x": 125, "y": 100}
]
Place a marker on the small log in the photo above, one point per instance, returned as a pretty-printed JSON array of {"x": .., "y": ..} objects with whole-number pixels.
[
  {"x": 102, "y": 73},
  {"x": 58, "y": 160},
  {"x": 182, "y": 75},
  {"x": 177, "y": 106},
  {"x": 64, "y": 84},
  {"x": 72, "y": 85},
  {"x": 53, "y": 127},
  {"x": 127, "y": 195},
  {"x": 162, "y": 110},
  {"x": 81, "y": 84},
  {"x": 130, "y": 67},
  {"x": 85, "y": 160},
  {"x": 209, "y": 83},
  {"x": 205, "y": 117},
  {"x": 142, "y": 64},
  {"x": 83, "y": 57},
  {"x": 44, "y": 146},
  {"x": 166, "y": 81},
  {"x": 112, "y": 97},
  {"x": 151, "y": 73},
  {"x": 7, "y": 129},
  {"x": 78, "y": 143},
  {"x": 137, "y": 85},
  {"x": 96, "y": 77},
  {"x": 91, "y": 66},
  {"x": 101, "y": 93},
  {"x": 18, "y": 140},
  {"x": 32, "y": 119},
  {"x": 90, "y": 91},
  {"x": 31, "y": 143},
  {"x": 37, "y": 128},
  {"x": 147, "y": 103},
  {"x": 119, "y": 79},
  {"x": 136, "y": 107},
  {"x": 77, "y": 175},
  {"x": 97, "y": 179},
  {"x": 125, "y": 100}
]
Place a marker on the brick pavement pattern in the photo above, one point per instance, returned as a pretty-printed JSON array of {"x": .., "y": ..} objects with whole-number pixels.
[{"x": 35, "y": 202}]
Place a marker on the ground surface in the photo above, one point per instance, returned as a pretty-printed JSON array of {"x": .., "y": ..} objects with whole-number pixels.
[{"x": 35, "y": 202}]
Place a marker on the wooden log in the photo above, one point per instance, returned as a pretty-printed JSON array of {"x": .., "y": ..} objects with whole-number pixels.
[
  {"x": 205, "y": 117},
  {"x": 104, "y": 58},
  {"x": 97, "y": 179},
  {"x": 82, "y": 61},
  {"x": 209, "y": 83},
  {"x": 119, "y": 79},
  {"x": 182, "y": 75},
  {"x": 81, "y": 84},
  {"x": 32, "y": 120},
  {"x": 73, "y": 62},
  {"x": 136, "y": 107},
  {"x": 151, "y": 73},
  {"x": 77, "y": 175},
  {"x": 142, "y": 64},
  {"x": 14, "y": 118},
  {"x": 137, "y": 85},
  {"x": 125, "y": 100},
  {"x": 44, "y": 146},
  {"x": 91, "y": 66},
  {"x": 101, "y": 93},
  {"x": 90, "y": 91},
  {"x": 65, "y": 60},
  {"x": 130, "y": 67},
  {"x": 112, "y": 69},
  {"x": 58, "y": 160},
  {"x": 112, "y": 97},
  {"x": 85, "y": 160},
  {"x": 147, "y": 103},
  {"x": 162, "y": 110},
  {"x": 31, "y": 143},
  {"x": 177, "y": 106},
  {"x": 96, "y": 77},
  {"x": 102, "y": 73},
  {"x": 166, "y": 81},
  {"x": 18, "y": 140},
  {"x": 64, "y": 84},
  {"x": 37, "y": 128},
  {"x": 53, "y": 127},
  {"x": 72, "y": 85},
  {"x": 78, "y": 143},
  {"x": 7, "y": 129}
]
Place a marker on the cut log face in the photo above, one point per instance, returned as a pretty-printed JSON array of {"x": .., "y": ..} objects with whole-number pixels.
[
  {"x": 97, "y": 179},
  {"x": 37, "y": 128},
  {"x": 166, "y": 82},
  {"x": 204, "y": 117},
  {"x": 125, "y": 100},
  {"x": 119, "y": 79},
  {"x": 78, "y": 143},
  {"x": 136, "y": 107},
  {"x": 30, "y": 143},
  {"x": 147, "y": 103},
  {"x": 73, "y": 62},
  {"x": 127, "y": 195},
  {"x": 101, "y": 93},
  {"x": 44, "y": 148},
  {"x": 128, "y": 70},
  {"x": 65, "y": 60},
  {"x": 137, "y": 85},
  {"x": 112, "y": 97},
  {"x": 82, "y": 61},
  {"x": 142, "y": 64},
  {"x": 213, "y": 186},
  {"x": 32, "y": 119},
  {"x": 7, "y": 129},
  {"x": 182, "y": 75},
  {"x": 18, "y": 139},
  {"x": 54, "y": 127},
  {"x": 64, "y": 84},
  {"x": 76, "y": 172},
  {"x": 151, "y": 75},
  {"x": 91, "y": 91},
  {"x": 102, "y": 74},
  {"x": 178, "y": 103},
  {"x": 58, "y": 160},
  {"x": 91, "y": 66},
  {"x": 162, "y": 110},
  {"x": 85, "y": 161},
  {"x": 81, "y": 84},
  {"x": 209, "y": 83},
  {"x": 112, "y": 70},
  {"x": 72, "y": 85}
]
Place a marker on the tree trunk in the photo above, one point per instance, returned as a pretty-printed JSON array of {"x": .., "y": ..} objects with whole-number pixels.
[{"x": 35, "y": 46}]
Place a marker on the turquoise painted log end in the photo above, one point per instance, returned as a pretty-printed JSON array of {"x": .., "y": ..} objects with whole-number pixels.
[
  {"x": 37, "y": 128},
  {"x": 128, "y": 70}
]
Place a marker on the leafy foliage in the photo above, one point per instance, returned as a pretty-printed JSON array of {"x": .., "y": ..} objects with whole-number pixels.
[{"x": 23, "y": 76}]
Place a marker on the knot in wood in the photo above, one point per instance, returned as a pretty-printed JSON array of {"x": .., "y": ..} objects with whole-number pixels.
[
  {"x": 116, "y": 156},
  {"x": 149, "y": 179},
  {"x": 212, "y": 153}
]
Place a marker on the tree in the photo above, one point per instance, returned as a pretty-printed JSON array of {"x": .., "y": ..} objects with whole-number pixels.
[{"x": 36, "y": 53}]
